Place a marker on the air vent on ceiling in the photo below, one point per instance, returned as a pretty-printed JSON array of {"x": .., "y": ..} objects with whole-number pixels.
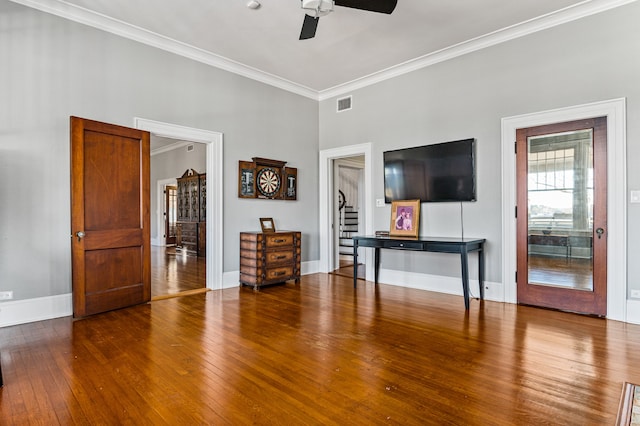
[
  {"x": 190, "y": 148},
  {"x": 344, "y": 104}
]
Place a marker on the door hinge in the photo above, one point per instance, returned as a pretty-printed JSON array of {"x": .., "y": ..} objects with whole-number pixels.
[
  {"x": 516, "y": 212},
  {"x": 515, "y": 147},
  {"x": 516, "y": 276}
]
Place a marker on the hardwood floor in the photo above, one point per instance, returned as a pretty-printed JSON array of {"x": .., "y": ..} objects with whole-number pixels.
[
  {"x": 318, "y": 353},
  {"x": 173, "y": 273},
  {"x": 346, "y": 269}
]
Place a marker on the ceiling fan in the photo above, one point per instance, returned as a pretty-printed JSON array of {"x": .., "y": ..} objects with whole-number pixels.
[{"x": 314, "y": 9}]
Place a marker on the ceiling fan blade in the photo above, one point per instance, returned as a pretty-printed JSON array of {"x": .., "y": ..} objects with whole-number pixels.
[
  {"x": 381, "y": 6},
  {"x": 309, "y": 27}
]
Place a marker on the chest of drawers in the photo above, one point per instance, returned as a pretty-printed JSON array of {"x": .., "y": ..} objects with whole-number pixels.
[{"x": 269, "y": 257}]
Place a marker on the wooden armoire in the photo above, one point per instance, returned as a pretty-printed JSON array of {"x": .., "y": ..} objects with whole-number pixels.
[{"x": 191, "y": 221}]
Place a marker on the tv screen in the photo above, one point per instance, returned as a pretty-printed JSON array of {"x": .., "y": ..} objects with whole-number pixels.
[{"x": 431, "y": 173}]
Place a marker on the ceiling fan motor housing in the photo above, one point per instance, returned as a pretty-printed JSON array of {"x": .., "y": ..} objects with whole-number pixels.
[{"x": 317, "y": 8}]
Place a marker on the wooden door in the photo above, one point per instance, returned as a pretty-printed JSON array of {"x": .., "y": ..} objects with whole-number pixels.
[
  {"x": 110, "y": 218},
  {"x": 170, "y": 213},
  {"x": 562, "y": 216}
]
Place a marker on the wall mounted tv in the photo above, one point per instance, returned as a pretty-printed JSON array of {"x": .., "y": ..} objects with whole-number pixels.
[{"x": 432, "y": 173}]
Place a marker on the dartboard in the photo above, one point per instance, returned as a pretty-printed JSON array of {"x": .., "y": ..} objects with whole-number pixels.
[{"x": 268, "y": 180}]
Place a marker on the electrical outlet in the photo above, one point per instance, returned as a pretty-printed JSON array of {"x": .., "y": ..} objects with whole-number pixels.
[
  {"x": 635, "y": 294},
  {"x": 380, "y": 202},
  {"x": 6, "y": 295}
]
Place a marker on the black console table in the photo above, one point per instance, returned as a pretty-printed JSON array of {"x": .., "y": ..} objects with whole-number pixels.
[{"x": 432, "y": 244}]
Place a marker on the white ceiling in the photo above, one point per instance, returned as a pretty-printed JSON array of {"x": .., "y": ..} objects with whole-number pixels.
[{"x": 351, "y": 47}]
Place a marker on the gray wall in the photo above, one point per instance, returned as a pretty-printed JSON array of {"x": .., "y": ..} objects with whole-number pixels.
[
  {"x": 51, "y": 68},
  {"x": 593, "y": 59}
]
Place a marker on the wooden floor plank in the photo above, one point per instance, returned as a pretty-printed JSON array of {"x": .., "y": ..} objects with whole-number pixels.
[
  {"x": 318, "y": 352},
  {"x": 174, "y": 272}
]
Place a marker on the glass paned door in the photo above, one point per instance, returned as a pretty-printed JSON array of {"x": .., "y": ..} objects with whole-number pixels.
[{"x": 562, "y": 216}]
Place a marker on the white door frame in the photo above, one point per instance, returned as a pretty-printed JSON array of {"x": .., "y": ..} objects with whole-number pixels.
[
  {"x": 615, "y": 111},
  {"x": 326, "y": 202},
  {"x": 214, "y": 165}
]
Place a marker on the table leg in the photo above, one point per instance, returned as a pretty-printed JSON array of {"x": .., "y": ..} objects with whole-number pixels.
[
  {"x": 376, "y": 263},
  {"x": 481, "y": 272},
  {"x": 355, "y": 263},
  {"x": 465, "y": 277}
]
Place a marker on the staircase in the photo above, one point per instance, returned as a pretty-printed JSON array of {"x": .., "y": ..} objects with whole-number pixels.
[{"x": 348, "y": 228}]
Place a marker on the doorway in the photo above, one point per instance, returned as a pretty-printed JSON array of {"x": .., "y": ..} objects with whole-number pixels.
[
  {"x": 562, "y": 216},
  {"x": 615, "y": 111},
  {"x": 349, "y": 211},
  {"x": 326, "y": 189},
  {"x": 178, "y": 170},
  {"x": 170, "y": 214},
  {"x": 214, "y": 182}
]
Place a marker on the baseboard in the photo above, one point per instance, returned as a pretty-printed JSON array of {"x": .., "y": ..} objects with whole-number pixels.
[
  {"x": 311, "y": 267},
  {"x": 633, "y": 311},
  {"x": 38, "y": 309},
  {"x": 450, "y": 285},
  {"x": 230, "y": 279}
]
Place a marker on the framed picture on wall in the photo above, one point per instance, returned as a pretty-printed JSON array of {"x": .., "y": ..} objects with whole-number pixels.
[
  {"x": 405, "y": 218},
  {"x": 246, "y": 179},
  {"x": 290, "y": 183}
]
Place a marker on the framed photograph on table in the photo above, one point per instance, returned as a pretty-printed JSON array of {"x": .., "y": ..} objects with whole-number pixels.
[
  {"x": 405, "y": 218},
  {"x": 267, "y": 225}
]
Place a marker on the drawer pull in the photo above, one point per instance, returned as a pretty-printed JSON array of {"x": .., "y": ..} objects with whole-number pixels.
[
  {"x": 280, "y": 257},
  {"x": 277, "y": 274},
  {"x": 279, "y": 241}
]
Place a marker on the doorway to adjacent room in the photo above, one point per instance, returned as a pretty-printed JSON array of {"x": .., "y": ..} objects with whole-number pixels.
[
  {"x": 329, "y": 255},
  {"x": 616, "y": 232},
  {"x": 178, "y": 172},
  {"x": 349, "y": 210},
  {"x": 212, "y": 262}
]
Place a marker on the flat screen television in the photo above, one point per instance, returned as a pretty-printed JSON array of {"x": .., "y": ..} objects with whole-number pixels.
[{"x": 431, "y": 173}]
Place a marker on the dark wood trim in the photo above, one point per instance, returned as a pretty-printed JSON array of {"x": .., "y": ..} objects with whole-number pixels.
[{"x": 589, "y": 302}]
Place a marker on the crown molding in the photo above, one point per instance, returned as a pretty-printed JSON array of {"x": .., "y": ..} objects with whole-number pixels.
[
  {"x": 87, "y": 17},
  {"x": 170, "y": 147},
  {"x": 93, "y": 19},
  {"x": 559, "y": 17}
]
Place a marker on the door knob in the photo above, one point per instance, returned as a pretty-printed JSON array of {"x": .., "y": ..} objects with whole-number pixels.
[
  {"x": 599, "y": 231},
  {"x": 80, "y": 235}
]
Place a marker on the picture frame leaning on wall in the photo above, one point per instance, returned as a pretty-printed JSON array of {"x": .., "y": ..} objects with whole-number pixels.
[{"x": 405, "y": 218}]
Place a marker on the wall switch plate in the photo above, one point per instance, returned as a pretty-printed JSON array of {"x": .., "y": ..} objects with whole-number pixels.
[
  {"x": 6, "y": 295},
  {"x": 635, "y": 294},
  {"x": 634, "y": 197},
  {"x": 379, "y": 202}
]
